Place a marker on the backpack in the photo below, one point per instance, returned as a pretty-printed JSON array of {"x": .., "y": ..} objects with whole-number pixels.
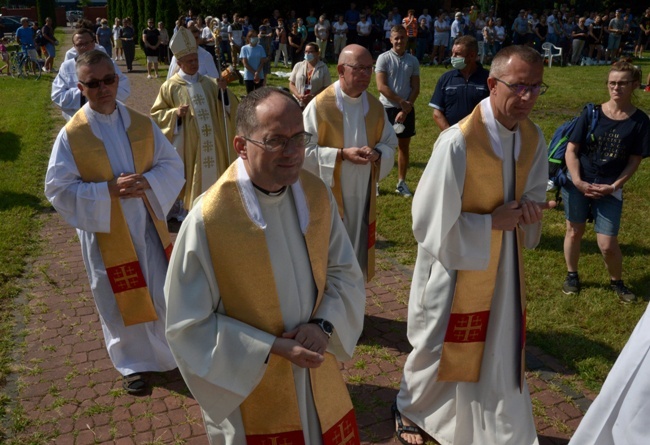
[
  {"x": 557, "y": 148},
  {"x": 39, "y": 39}
]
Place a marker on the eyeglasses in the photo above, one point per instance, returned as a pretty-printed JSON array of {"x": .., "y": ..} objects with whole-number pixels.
[
  {"x": 358, "y": 69},
  {"x": 83, "y": 44},
  {"x": 96, "y": 83},
  {"x": 620, "y": 83},
  {"x": 280, "y": 143},
  {"x": 521, "y": 90}
]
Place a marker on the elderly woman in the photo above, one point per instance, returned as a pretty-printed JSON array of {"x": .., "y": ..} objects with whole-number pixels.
[
  {"x": 309, "y": 77},
  {"x": 253, "y": 57},
  {"x": 599, "y": 166}
]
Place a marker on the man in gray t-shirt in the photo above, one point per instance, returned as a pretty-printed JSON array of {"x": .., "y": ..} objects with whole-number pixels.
[{"x": 398, "y": 82}]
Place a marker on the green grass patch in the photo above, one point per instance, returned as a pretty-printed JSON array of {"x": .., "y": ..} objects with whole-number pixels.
[{"x": 26, "y": 129}]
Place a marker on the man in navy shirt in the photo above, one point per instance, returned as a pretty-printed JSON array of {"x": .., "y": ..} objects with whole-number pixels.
[{"x": 460, "y": 90}]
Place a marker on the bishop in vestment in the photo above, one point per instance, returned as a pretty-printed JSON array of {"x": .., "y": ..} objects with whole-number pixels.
[
  {"x": 113, "y": 175},
  {"x": 196, "y": 113},
  {"x": 264, "y": 292},
  {"x": 352, "y": 149},
  {"x": 479, "y": 202}
]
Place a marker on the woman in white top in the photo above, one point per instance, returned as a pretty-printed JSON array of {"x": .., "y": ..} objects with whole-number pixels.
[
  {"x": 207, "y": 37},
  {"x": 309, "y": 77},
  {"x": 440, "y": 39},
  {"x": 117, "y": 28},
  {"x": 388, "y": 24},
  {"x": 340, "y": 36}
]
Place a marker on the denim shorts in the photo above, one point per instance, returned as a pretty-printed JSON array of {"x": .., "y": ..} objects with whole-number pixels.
[{"x": 606, "y": 210}]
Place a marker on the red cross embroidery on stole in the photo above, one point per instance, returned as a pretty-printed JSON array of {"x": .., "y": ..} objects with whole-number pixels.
[
  {"x": 467, "y": 328},
  {"x": 126, "y": 277},
  {"x": 344, "y": 432}
]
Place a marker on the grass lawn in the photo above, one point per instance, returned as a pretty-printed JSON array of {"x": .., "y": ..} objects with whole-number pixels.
[{"x": 585, "y": 332}]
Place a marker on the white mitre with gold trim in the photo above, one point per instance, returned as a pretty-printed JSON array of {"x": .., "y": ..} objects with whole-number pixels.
[{"x": 183, "y": 43}]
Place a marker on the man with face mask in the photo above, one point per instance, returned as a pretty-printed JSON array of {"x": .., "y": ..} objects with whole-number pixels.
[
  {"x": 196, "y": 114},
  {"x": 460, "y": 90}
]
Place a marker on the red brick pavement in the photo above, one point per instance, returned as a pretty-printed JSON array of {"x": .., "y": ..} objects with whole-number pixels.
[{"x": 68, "y": 393}]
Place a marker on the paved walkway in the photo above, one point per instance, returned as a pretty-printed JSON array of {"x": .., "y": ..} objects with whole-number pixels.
[{"x": 68, "y": 393}]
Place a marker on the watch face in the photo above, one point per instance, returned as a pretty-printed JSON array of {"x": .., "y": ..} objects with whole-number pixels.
[{"x": 327, "y": 327}]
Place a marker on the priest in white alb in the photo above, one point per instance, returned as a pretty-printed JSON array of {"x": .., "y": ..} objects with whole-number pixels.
[
  {"x": 113, "y": 176},
  {"x": 478, "y": 204},
  {"x": 264, "y": 292},
  {"x": 65, "y": 94},
  {"x": 197, "y": 114},
  {"x": 352, "y": 149}
]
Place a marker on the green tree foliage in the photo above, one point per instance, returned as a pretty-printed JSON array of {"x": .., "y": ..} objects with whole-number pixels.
[
  {"x": 115, "y": 10},
  {"x": 44, "y": 9},
  {"x": 167, "y": 11},
  {"x": 130, "y": 10}
]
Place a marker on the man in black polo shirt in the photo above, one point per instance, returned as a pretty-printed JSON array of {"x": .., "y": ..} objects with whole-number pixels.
[{"x": 460, "y": 90}]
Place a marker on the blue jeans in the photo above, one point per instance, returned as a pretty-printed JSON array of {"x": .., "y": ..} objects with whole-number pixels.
[{"x": 606, "y": 211}]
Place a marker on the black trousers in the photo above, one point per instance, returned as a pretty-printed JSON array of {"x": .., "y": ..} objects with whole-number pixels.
[{"x": 128, "y": 46}]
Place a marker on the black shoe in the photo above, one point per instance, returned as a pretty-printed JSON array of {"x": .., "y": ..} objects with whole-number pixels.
[
  {"x": 571, "y": 285},
  {"x": 624, "y": 294}
]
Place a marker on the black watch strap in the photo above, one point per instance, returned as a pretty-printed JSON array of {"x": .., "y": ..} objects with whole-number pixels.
[{"x": 326, "y": 326}]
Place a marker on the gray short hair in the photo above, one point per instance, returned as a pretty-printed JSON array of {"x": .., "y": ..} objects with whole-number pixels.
[
  {"x": 91, "y": 58},
  {"x": 525, "y": 53}
]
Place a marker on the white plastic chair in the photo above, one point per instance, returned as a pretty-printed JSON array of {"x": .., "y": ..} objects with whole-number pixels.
[{"x": 551, "y": 51}]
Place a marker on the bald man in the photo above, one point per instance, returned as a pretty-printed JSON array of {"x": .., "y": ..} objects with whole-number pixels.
[{"x": 352, "y": 149}]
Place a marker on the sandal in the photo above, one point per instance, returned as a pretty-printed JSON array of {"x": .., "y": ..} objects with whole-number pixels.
[
  {"x": 134, "y": 383},
  {"x": 401, "y": 428}
]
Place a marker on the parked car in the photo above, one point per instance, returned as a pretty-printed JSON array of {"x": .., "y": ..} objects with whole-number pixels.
[
  {"x": 8, "y": 25},
  {"x": 74, "y": 16}
]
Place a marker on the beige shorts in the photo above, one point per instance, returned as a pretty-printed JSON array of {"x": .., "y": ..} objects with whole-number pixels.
[
  {"x": 152, "y": 59},
  {"x": 118, "y": 43}
]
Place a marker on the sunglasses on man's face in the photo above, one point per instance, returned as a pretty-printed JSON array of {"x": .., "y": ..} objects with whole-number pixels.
[{"x": 110, "y": 80}]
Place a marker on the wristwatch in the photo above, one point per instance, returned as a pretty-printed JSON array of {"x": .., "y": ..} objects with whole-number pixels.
[{"x": 325, "y": 325}]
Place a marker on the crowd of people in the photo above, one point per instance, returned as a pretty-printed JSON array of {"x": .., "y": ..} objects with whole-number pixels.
[
  {"x": 281, "y": 185},
  {"x": 586, "y": 37}
]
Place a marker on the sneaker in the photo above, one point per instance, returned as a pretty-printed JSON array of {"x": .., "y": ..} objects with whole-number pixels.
[
  {"x": 571, "y": 285},
  {"x": 624, "y": 294},
  {"x": 148, "y": 76},
  {"x": 403, "y": 189}
]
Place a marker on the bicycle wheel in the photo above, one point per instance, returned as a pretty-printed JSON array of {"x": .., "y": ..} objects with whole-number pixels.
[
  {"x": 31, "y": 69},
  {"x": 14, "y": 65}
]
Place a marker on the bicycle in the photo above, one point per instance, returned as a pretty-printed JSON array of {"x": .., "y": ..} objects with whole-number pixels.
[{"x": 21, "y": 65}]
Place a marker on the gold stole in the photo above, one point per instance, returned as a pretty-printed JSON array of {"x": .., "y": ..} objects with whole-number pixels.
[
  {"x": 462, "y": 350},
  {"x": 118, "y": 253},
  {"x": 330, "y": 134},
  {"x": 270, "y": 413}
]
